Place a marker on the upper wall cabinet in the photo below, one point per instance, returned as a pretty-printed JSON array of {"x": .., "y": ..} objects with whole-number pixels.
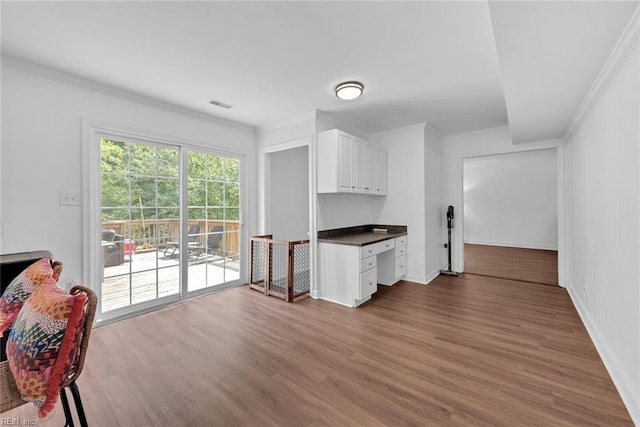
[{"x": 348, "y": 164}]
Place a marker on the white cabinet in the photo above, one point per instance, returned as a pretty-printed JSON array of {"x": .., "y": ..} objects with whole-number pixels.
[
  {"x": 349, "y": 275},
  {"x": 368, "y": 284},
  {"x": 380, "y": 174},
  {"x": 348, "y": 164},
  {"x": 392, "y": 265},
  {"x": 344, "y": 160}
]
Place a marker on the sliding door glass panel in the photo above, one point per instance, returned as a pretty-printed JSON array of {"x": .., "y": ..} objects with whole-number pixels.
[
  {"x": 140, "y": 187},
  {"x": 214, "y": 218}
]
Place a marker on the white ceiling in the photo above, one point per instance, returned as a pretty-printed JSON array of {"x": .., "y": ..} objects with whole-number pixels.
[
  {"x": 420, "y": 61},
  {"x": 550, "y": 54}
]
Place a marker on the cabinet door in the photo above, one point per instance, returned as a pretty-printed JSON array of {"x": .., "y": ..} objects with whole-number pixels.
[
  {"x": 369, "y": 169},
  {"x": 381, "y": 172},
  {"x": 368, "y": 284},
  {"x": 400, "y": 266},
  {"x": 345, "y": 162},
  {"x": 357, "y": 180}
]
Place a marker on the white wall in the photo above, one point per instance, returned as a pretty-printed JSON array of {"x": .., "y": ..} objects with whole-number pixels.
[
  {"x": 454, "y": 149},
  {"x": 603, "y": 208},
  {"x": 42, "y": 114},
  {"x": 405, "y": 203},
  {"x": 511, "y": 199},
  {"x": 434, "y": 210},
  {"x": 288, "y": 200}
]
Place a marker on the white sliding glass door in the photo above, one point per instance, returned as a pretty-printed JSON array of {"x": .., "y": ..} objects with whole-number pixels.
[
  {"x": 214, "y": 220},
  {"x": 169, "y": 223}
]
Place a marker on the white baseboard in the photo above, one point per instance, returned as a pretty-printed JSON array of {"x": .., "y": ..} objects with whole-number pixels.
[
  {"x": 415, "y": 279},
  {"x": 336, "y": 302},
  {"x": 609, "y": 359},
  {"x": 422, "y": 280},
  {"x": 514, "y": 244}
]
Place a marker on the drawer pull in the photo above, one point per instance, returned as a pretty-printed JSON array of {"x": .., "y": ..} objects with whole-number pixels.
[{"x": 370, "y": 263}]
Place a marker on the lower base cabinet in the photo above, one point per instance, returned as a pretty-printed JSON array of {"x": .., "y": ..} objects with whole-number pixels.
[{"x": 349, "y": 275}]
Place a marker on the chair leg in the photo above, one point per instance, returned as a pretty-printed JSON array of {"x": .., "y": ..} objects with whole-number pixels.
[
  {"x": 78, "y": 401},
  {"x": 67, "y": 411}
]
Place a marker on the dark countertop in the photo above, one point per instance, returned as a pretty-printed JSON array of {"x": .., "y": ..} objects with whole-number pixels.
[{"x": 361, "y": 235}]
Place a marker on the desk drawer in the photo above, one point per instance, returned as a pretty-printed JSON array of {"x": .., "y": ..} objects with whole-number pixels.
[
  {"x": 368, "y": 263},
  {"x": 368, "y": 283},
  {"x": 376, "y": 248},
  {"x": 401, "y": 266},
  {"x": 401, "y": 250},
  {"x": 401, "y": 241}
]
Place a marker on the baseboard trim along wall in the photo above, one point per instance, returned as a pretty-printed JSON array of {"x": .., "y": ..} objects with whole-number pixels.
[
  {"x": 513, "y": 244},
  {"x": 610, "y": 362},
  {"x": 422, "y": 280}
]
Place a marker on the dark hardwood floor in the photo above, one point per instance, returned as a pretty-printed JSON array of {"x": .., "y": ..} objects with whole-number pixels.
[
  {"x": 527, "y": 265},
  {"x": 467, "y": 350}
]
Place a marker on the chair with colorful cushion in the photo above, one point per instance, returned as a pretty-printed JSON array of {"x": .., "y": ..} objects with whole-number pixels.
[
  {"x": 43, "y": 317},
  {"x": 78, "y": 361}
]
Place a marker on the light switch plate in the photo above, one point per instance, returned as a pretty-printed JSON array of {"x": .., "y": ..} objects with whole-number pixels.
[{"x": 68, "y": 198}]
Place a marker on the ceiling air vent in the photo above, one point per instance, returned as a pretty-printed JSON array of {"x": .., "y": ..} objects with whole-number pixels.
[{"x": 220, "y": 104}]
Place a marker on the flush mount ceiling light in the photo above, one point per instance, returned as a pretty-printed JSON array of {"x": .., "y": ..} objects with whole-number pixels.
[{"x": 349, "y": 90}]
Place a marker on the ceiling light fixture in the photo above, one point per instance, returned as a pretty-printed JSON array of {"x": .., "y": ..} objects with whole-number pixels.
[{"x": 349, "y": 90}]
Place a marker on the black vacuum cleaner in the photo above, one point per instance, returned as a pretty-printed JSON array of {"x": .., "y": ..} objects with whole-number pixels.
[{"x": 449, "y": 271}]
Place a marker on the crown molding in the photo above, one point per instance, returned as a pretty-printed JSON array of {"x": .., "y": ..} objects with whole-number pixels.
[
  {"x": 342, "y": 124},
  {"x": 287, "y": 122},
  {"x": 76, "y": 80},
  {"x": 417, "y": 126},
  {"x": 625, "y": 46},
  {"x": 485, "y": 131}
]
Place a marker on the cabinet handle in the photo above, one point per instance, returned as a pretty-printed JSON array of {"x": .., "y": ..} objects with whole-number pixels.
[
  {"x": 370, "y": 283},
  {"x": 353, "y": 186},
  {"x": 370, "y": 264},
  {"x": 366, "y": 188}
]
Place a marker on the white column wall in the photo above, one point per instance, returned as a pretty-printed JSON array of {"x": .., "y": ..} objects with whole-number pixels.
[{"x": 405, "y": 203}]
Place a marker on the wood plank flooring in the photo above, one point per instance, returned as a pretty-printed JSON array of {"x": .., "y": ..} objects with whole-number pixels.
[
  {"x": 528, "y": 265},
  {"x": 466, "y": 350}
]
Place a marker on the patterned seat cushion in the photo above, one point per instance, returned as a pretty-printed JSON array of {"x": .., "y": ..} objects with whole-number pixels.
[
  {"x": 20, "y": 288},
  {"x": 44, "y": 341}
]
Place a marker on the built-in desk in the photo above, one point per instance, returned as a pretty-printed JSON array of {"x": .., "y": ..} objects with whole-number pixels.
[{"x": 354, "y": 260}]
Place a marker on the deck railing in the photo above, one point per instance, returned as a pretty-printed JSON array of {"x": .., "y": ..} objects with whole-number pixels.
[
  {"x": 159, "y": 231},
  {"x": 280, "y": 268}
]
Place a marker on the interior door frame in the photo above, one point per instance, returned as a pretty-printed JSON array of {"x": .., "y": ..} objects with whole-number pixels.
[
  {"x": 458, "y": 231},
  {"x": 264, "y": 190}
]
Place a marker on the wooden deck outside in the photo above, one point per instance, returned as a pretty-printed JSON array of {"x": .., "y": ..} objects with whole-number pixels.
[{"x": 119, "y": 289}]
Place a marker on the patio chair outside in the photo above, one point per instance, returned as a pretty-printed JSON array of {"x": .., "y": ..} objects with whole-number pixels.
[{"x": 192, "y": 241}]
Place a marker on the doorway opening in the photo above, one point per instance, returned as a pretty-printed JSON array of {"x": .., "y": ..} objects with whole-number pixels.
[
  {"x": 511, "y": 215},
  {"x": 287, "y": 194}
]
